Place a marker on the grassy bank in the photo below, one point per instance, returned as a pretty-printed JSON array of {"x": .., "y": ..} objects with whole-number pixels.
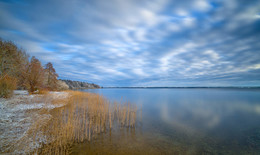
[{"x": 82, "y": 116}]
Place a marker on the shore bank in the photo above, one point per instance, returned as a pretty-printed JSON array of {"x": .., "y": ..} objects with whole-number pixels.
[
  {"x": 52, "y": 122},
  {"x": 19, "y": 113}
]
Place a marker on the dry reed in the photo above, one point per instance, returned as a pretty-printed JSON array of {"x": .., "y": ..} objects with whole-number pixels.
[{"x": 84, "y": 116}]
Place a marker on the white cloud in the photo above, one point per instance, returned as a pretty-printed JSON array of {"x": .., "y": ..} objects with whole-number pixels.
[
  {"x": 247, "y": 68},
  {"x": 215, "y": 56},
  {"x": 140, "y": 34},
  {"x": 139, "y": 72},
  {"x": 257, "y": 16},
  {"x": 172, "y": 27},
  {"x": 167, "y": 58},
  {"x": 188, "y": 21},
  {"x": 70, "y": 48},
  {"x": 201, "y": 5},
  {"x": 111, "y": 40},
  {"x": 181, "y": 12},
  {"x": 149, "y": 17},
  {"x": 112, "y": 71}
]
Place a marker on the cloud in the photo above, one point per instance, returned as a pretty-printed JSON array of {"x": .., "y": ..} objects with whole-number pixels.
[
  {"x": 140, "y": 43},
  {"x": 202, "y": 5}
]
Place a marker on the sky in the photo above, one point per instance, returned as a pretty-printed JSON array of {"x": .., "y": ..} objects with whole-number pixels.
[{"x": 140, "y": 42}]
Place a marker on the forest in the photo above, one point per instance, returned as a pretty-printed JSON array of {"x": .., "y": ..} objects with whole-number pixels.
[{"x": 20, "y": 71}]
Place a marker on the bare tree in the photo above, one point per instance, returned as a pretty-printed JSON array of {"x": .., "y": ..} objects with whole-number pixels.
[
  {"x": 51, "y": 76},
  {"x": 34, "y": 75},
  {"x": 12, "y": 60}
]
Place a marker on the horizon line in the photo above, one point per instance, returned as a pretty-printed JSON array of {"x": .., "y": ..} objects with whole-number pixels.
[{"x": 182, "y": 87}]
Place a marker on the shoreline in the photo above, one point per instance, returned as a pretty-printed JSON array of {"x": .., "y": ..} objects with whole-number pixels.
[
  {"x": 17, "y": 116},
  {"x": 53, "y": 122}
]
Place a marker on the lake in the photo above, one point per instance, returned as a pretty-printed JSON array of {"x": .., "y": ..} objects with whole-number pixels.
[{"x": 182, "y": 121}]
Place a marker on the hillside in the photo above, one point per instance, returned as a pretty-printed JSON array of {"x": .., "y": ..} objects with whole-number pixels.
[{"x": 80, "y": 85}]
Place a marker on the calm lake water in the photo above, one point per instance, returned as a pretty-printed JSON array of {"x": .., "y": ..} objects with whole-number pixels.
[{"x": 183, "y": 121}]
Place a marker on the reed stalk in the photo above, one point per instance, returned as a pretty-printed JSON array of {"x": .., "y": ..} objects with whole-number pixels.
[{"x": 84, "y": 116}]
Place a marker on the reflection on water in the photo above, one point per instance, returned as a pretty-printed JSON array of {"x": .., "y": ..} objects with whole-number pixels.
[{"x": 183, "y": 121}]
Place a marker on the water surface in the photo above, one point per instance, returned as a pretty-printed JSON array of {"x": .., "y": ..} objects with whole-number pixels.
[{"x": 183, "y": 121}]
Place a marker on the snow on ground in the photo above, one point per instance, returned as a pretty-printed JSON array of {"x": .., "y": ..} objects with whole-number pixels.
[
  {"x": 18, "y": 114},
  {"x": 21, "y": 92}
]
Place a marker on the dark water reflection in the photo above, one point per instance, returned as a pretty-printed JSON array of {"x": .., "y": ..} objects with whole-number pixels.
[{"x": 183, "y": 121}]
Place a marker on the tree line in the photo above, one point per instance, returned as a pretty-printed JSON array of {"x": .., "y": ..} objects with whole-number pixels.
[{"x": 19, "y": 71}]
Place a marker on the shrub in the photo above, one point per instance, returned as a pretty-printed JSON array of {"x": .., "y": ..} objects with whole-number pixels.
[
  {"x": 7, "y": 85},
  {"x": 43, "y": 91}
]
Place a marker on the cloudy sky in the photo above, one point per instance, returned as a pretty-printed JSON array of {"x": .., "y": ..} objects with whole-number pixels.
[{"x": 140, "y": 42}]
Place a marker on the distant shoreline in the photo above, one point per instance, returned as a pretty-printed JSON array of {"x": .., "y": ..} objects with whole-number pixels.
[{"x": 186, "y": 87}]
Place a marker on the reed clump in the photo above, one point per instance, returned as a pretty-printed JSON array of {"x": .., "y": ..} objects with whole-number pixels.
[{"x": 84, "y": 116}]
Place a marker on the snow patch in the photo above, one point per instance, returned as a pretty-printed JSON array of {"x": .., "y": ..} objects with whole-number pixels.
[
  {"x": 37, "y": 106},
  {"x": 21, "y": 92},
  {"x": 17, "y": 116}
]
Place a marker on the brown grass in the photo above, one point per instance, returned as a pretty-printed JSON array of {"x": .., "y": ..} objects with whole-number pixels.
[
  {"x": 83, "y": 117},
  {"x": 43, "y": 91}
]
